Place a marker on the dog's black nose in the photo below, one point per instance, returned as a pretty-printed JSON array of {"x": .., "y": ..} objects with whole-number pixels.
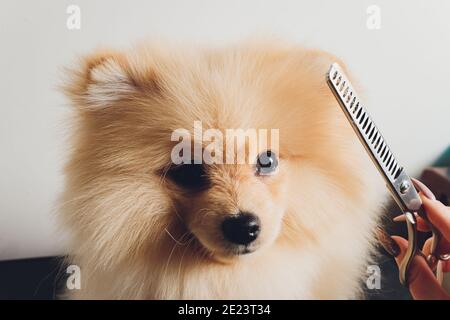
[{"x": 241, "y": 228}]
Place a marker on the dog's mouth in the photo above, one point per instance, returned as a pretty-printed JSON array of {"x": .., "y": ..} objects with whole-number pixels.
[
  {"x": 224, "y": 252},
  {"x": 229, "y": 255},
  {"x": 241, "y": 250},
  {"x": 228, "y": 238}
]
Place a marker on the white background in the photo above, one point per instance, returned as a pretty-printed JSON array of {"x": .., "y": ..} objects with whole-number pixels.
[{"x": 403, "y": 68}]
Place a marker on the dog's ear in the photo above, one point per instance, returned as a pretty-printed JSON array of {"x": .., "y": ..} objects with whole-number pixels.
[{"x": 104, "y": 78}]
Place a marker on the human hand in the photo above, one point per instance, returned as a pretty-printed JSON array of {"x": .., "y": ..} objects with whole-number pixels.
[{"x": 422, "y": 282}]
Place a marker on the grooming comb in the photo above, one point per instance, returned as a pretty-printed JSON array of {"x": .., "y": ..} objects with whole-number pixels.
[{"x": 400, "y": 185}]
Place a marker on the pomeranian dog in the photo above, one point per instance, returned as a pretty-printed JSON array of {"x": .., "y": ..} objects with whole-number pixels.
[{"x": 294, "y": 224}]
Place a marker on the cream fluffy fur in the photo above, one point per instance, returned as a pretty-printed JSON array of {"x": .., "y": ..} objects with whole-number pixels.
[{"x": 137, "y": 235}]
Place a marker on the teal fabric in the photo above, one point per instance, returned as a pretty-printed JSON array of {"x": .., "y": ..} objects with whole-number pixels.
[{"x": 444, "y": 159}]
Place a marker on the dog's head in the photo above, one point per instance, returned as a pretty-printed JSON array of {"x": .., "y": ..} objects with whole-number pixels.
[{"x": 130, "y": 191}]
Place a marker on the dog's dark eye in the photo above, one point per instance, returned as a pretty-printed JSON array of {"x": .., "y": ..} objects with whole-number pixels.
[
  {"x": 267, "y": 163},
  {"x": 190, "y": 176}
]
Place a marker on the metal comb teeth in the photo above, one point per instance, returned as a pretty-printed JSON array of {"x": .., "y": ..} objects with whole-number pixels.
[{"x": 362, "y": 122}]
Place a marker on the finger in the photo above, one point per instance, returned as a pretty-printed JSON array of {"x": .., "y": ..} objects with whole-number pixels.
[
  {"x": 420, "y": 186},
  {"x": 422, "y": 225},
  {"x": 445, "y": 265},
  {"x": 426, "y": 249},
  {"x": 442, "y": 248},
  {"x": 438, "y": 215},
  {"x": 422, "y": 283},
  {"x": 387, "y": 243}
]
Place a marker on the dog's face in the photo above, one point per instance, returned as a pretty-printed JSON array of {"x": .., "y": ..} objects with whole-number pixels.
[
  {"x": 232, "y": 209},
  {"x": 129, "y": 106}
]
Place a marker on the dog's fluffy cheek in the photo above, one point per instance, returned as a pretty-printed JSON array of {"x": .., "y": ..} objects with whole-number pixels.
[{"x": 117, "y": 223}]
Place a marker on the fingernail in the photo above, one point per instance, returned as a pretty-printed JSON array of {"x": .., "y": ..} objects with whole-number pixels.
[
  {"x": 424, "y": 189},
  {"x": 402, "y": 217},
  {"x": 387, "y": 242},
  {"x": 399, "y": 218}
]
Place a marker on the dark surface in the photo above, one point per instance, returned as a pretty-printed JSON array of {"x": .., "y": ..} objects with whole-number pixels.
[
  {"x": 390, "y": 284},
  {"x": 39, "y": 278},
  {"x": 44, "y": 278},
  {"x": 391, "y": 289}
]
